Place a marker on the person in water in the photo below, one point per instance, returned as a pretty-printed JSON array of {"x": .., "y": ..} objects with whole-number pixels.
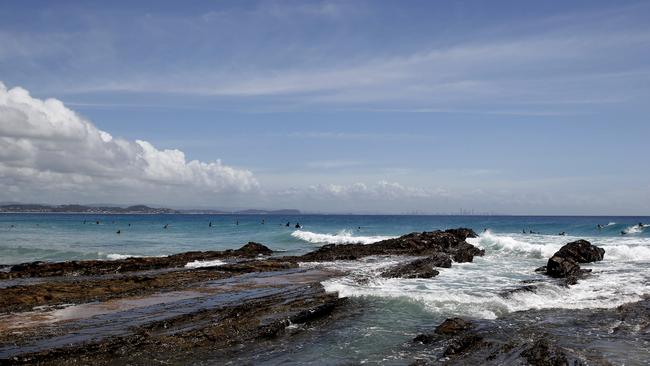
[
  {"x": 166, "y": 225},
  {"x": 599, "y": 226},
  {"x": 288, "y": 224},
  {"x": 298, "y": 225},
  {"x": 119, "y": 232},
  {"x": 210, "y": 224}
]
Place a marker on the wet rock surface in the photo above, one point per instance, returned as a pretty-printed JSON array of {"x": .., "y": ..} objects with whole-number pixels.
[
  {"x": 544, "y": 337},
  {"x": 98, "y": 267},
  {"x": 450, "y": 242},
  {"x": 174, "y": 327},
  {"x": 419, "y": 268},
  {"x": 565, "y": 262}
]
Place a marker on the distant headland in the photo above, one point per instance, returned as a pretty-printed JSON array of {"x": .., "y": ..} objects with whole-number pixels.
[{"x": 136, "y": 209}]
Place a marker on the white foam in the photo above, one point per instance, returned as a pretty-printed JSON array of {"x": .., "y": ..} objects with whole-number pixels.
[
  {"x": 116, "y": 256},
  {"x": 515, "y": 244},
  {"x": 627, "y": 252},
  {"x": 201, "y": 264},
  {"x": 634, "y": 229},
  {"x": 342, "y": 237}
]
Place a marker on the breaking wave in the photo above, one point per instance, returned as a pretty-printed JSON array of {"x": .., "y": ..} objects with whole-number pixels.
[
  {"x": 342, "y": 237},
  {"x": 201, "y": 264}
]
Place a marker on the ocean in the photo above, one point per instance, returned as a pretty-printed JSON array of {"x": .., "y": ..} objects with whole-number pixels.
[{"x": 395, "y": 309}]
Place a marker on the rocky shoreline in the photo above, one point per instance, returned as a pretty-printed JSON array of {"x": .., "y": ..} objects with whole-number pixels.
[{"x": 158, "y": 310}]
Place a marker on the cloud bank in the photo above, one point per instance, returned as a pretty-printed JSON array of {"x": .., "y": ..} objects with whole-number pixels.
[{"x": 46, "y": 147}]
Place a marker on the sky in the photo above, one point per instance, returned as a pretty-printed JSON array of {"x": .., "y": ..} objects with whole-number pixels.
[{"x": 506, "y": 107}]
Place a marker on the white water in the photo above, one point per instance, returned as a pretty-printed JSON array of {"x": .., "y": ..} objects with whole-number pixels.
[
  {"x": 201, "y": 264},
  {"x": 341, "y": 237},
  {"x": 473, "y": 289}
]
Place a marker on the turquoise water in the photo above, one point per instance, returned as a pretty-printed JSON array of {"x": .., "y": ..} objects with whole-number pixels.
[{"x": 55, "y": 237}]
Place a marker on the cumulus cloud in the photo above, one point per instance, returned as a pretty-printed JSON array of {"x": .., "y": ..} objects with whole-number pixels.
[{"x": 43, "y": 144}]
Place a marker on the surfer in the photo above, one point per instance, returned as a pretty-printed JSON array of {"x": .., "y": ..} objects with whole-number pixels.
[
  {"x": 166, "y": 226},
  {"x": 119, "y": 232},
  {"x": 210, "y": 224},
  {"x": 298, "y": 225},
  {"x": 599, "y": 226},
  {"x": 288, "y": 224}
]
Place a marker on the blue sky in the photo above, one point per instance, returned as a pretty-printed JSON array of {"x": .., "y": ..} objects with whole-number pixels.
[{"x": 351, "y": 106}]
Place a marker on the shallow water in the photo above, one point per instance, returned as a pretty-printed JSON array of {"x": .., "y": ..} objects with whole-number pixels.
[{"x": 394, "y": 309}]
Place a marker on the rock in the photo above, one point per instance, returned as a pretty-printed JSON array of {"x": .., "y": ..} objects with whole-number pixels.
[
  {"x": 420, "y": 268},
  {"x": 465, "y": 252},
  {"x": 527, "y": 288},
  {"x": 453, "y": 326},
  {"x": 463, "y": 232},
  {"x": 99, "y": 267},
  {"x": 581, "y": 251},
  {"x": 425, "y": 338},
  {"x": 560, "y": 267},
  {"x": 463, "y": 344},
  {"x": 440, "y": 260},
  {"x": 451, "y": 242},
  {"x": 542, "y": 353},
  {"x": 565, "y": 262}
]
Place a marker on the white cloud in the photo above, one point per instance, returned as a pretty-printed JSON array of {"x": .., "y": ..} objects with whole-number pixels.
[{"x": 44, "y": 146}]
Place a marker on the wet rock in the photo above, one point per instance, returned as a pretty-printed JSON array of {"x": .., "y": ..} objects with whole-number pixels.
[
  {"x": 426, "y": 338},
  {"x": 465, "y": 252},
  {"x": 523, "y": 289},
  {"x": 565, "y": 262},
  {"x": 420, "y": 268},
  {"x": 463, "y": 344},
  {"x": 451, "y": 242},
  {"x": 102, "y": 288},
  {"x": 542, "y": 353},
  {"x": 581, "y": 251},
  {"x": 453, "y": 326},
  {"x": 463, "y": 232},
  {"x": 560, "y": 267},
  {"x": 98, "y": 267}
]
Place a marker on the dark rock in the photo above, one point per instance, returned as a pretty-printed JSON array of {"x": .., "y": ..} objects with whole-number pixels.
[
  {"x": 426, "y": 338},
  {"x": 542, "y": 353},
  {"x": 451, "y": 242},
  {"x": 560, "y": 267},
  {"x": 510, "y": 292},
  {"x": 581, "y": 251},
  {"x": 465, "y": 252},
  {"x": 440, "y": 260},
  {"x": 463, "y": 344},
  {"x": 420, "y": 268},
  {"x": 463, "y": 232},
  {"x": 453, "y": 326},
  {"x": 564, "y": 263},
  {"x": 99, "y": 267}
]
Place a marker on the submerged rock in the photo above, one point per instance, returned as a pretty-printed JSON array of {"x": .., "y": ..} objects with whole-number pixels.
[
  {"x": 453, "y": 326},
  {"x": 543, "y": 353}
]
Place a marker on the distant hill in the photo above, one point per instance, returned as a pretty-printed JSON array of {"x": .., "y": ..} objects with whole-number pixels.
[
  {"x": 36, "y": 208},
  {"x": 136, "y": 209}
]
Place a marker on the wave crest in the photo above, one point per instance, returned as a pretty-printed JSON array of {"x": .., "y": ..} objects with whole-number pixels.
[{"x": 342, "y": 237}]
